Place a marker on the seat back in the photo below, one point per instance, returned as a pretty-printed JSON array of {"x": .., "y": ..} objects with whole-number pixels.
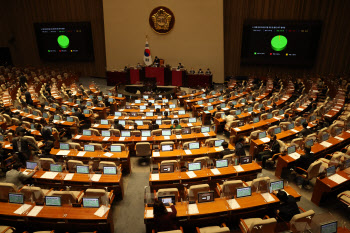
[
  {"x": 75, "y": 146},
  {"x": 284, "y": 125},
  {"x": 135, "y": 133},
  {"x": 203, "y": 160},
  {"x": 33, "y": 193},
  {"x": 72, "y": 164},
  {"x": 94, "y": 132},
  {"x": 106, "y": 164},
  {"x": 196, "y": 129},
  {"x": 67, "y": 197},
  {"x": 5, "y": 189},
  {"x": 283, "y": 146},
  {"x": 98, "y": 146},
  {"x": 298, "y": 121},
  {"x": 210, "y": 142},
  {"x": 195, "y": 189},
  {"x": 263, "y": 225},
  {"x": 166, "y": 122},
  {"x": 261, "y": 184},
  {"x": 298, "y": 142},
  {"x": 270, "y": 131},
  {"x": 314, "y": 170},
  {"x": 185, "y": 145},
  {"x": 115, "y": 132},
  {"x": 156, "y": 132},
  {"x": 168, "y": 191},
  {"x": 305, "y": 217},
  {"x": 45, "y": 163},
  {"x": 229, "y": 188},
  {"x": 143, "y": 149},
  {"x": 254, "y": 135}
]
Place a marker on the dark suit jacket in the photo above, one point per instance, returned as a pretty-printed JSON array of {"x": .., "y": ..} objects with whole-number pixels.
[
  {"x": 16, "y": 177},
  {"x": 28, "y": 98},
  {"x": 153, "y": 126},
  {"x": 275, "y": 147},
  {"x": 226, "y": 151},
  {"x": 304, "y": 161},
  {"x": 24, "y": 146},
  {"x": 305, "y": 132},
  {"x": 240, "y": 149},
  {"x": 288, "y": 209}
]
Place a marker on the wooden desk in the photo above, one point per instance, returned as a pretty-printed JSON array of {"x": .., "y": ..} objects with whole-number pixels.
[
  {"x": 317, "y": 149},
  {"x": 143, "y": 127},
  {"x": 148, "y": 110},
  {"x": 188, "y": 103},
  {"x": 147, "y": 118},
  {"x": 324, "y": 187},
  {"x": 183, "y": 97}
]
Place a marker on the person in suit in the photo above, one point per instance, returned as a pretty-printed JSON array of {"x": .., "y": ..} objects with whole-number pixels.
[
  {"x": 78, "y": 113},
  {"x": 166, "y": 116},
  {"x": 176, "y": 125},
  {"x": 16, "y": 177},
  {"x": 305, "y": 160},
  {"x": 239, "y": 147},
  {"x": 118, "y": 126},
  {"x": 305, "y": 131},
  {"x": 200, "y": 71},
  {"x": 28, "y": 96},
  {"x": 288, "y": 206},
  {"x": 208, "y": 72},
  {"x": 154, "y": 125},
  {"x": 192, "y": 71},
  {"x": 274, "y": 149},
  {"x": 226, "y": 150},
  {"x": 164, "y": 220},
  {"x": 158, "y": 113},
  {"x": 156, "y": 61},
  {"x": 21, "y": 146},
  {"x": 22, "y": 80}
]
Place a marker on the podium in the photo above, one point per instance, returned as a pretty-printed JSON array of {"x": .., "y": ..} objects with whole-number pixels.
[
  {"x": 134, "y": 75},
  {"x": 155, "y": 72},
  {"x": 202, "y": 80},
  {"x": 115, "y": 77},
  {"x": 177, "y": 77}
]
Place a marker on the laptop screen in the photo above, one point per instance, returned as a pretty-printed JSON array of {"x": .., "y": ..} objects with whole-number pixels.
[
  {"x": 137, "y": 101},
  {"x": 45, "y": 115},
  {"x": 262, "y": 135},
  {"x": 338, "y": 131},
  {"x": 158, "y": 122},
  {"x": 87, "y": 132},
  {"x": 210, "y": 108},
  {"x": 70, "y": 119},
  {"x": 165, "y": 100},
  {"x": 90, "y": 148},
  {"x": 110, "y": 170},
  {"x": 244, "y": 192},
  {"x": 104, "y": 122},
  {"x": 290, "y": 150},
  {"x": 56, "y": 117},
  {"x": 53, "y": 201},
  {"x": 192, "y": 120},
  {"x": 55, "y": 167},
  {"x": 142, "y": 107},
  {"x": 120, "y": 95},
  {"x": 325, "y": 137},
  {"x": 89, "y": 202},
  {"x": 347, "y": 163},
  {"x": 250, "y": 109},
  {"x": 330, "y": 170},
  {"x": 122, "y": 122},
  {"x": 145, "y": 96},
  {"x": 205, "y": 196},
  {"x": 276, "y": 185},
  {"x": 205, "y": 129},
  {"x": 331, "y": 227},
  {"x": 200, "y": 102},
  {"x": 117, "y": 113},
  {"x": 221, "y": 163},
  {"x": 166, "y": 132},
  {"x": 193, "y": 145},
  {"x": 16, "y": 198},
  {"x": 280, "y": 112},
  {"x": 186, "y": 130},
  {"x": 211, "y": 100},
  {"x": 172, "y": 106},
  {"x": 64, "y": 146},
  {"x": 255, "y": 119},
  {"x": 194, "y": 166},
  {"x": 125, "y": 133},
  {"x": 151, "y": 101},
  {"x": 182, "y": 112},
  {"x": 146, "y": 133},
  {"x": 167, "y": 199},
  {"x": 106, "y": 133},
  {"x": 238, "y": 112},
  {"x": 116, "y": 148},
  {"x": 86, "y": 111},
  {"x": 138, "y": 122},
  {"x": 277, "y": 130},
  {"x": 81, "y": 169},
  {"x": 312, "y": 118},
  {"x": 218, "y": 142},
  {"x": 149, "y": 114},
  {"x": 291, "y": 126},
  {"x": 1, "y": 138},
  {"x": 167, "y": 168},
  {"x": 246, "y": 159},
  {"x": 110, "y": 100},
  {"x": 167, "y": 147},
  {"x": 31, "y": 165},
  {"x": 309, "y": 142},
  {"x": 223, "y": 105},
  {"x": 221, "y": 98},
  {"x": 269, "y": 115}
]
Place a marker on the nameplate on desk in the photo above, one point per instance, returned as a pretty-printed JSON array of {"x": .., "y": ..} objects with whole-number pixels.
[
  {"x": 167, "y": 109},
  {"x": 49, "y": 175},
  {"x": 63, "y": 152},
  {"x": 264, "y": 140},
  {"x": 193, "y": 209},
  {"x": 268, "y": 197},
  {"x": 339, "y": 138},
  {"x": 159, "y": 117},
  {"x": 126, "y": 117},
  {"x": 105, "y": 139},
  {"x": 295, "y": 155},
  {"x": 22, "y": 209},
  {"x": 337, "y": 178},
  {"x": 96, "y": 177},
  {"x": 7, "y": 145},
  {"x": 206, "y": 134},
  {"x": 326, "y": 144},
  {"x": 236, "y": 129},
  {"x": 108, "y": 154},
  {"x": 81, "y": 153},
  {"x": 116, "y": 117},
  {"x": 143, "y": 138},
  {"x": 276, "y": 118},
  {"x": 327, "y": 115},
  {"x": 77, "y": 137},
  {"x": 188, "y": 152},
  {"x": 175, "y": 116},
  {"x": 295, "y": 131},
  {"x": 189, "y": 124},
  {"x": 191, "y": 174},
  {"x": 220, "y": 148},
  {"x": 35, "y": 211},
  {"x": 166, "y": 137},
  {"x": 154, "y": 176},
  {"x": 300, "y": 109},
  {"x": 178, "y": 136},
  {"x": 156, "y": 154},
  {"x": 238, "y": 168},
  {"x": 121, "y": 138},
  {"x": 143, "y": 117},
  {"x": 215, "y": 171},
  {"x": 101, "y": 211},
  {"x": 69, "y": 176},
  {"x": 233, "y": 204}
]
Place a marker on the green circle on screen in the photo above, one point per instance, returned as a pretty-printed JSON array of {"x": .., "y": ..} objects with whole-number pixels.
[
  {"x": 279, "y": 42},
  {"x": 63, "y": 41}
]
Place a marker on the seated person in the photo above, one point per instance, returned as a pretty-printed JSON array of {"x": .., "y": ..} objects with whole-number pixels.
[
  {"x": 305, "y": 131},
  {"x": 226, "y": 150},
  {"x": 200, "y": 71},
  {"x": 166, "y": 116},
  {"x": 118, "y": 126},
  {"x": 158, "y": 113},
  {"x": 239, "y": 147},
  {"x": 176, "y": 125},
  {"x": 208, "y": 72},
  {"x": 164, "y": 220},
  {"x": 272, "y": 149},
  {"x": 154, "y": 125},
  {"x": 15, "y": 176},
  {"x": 192, "y": 71},
  {"x": 305, "y": 160},
  {"x": 288, "y": 206}
]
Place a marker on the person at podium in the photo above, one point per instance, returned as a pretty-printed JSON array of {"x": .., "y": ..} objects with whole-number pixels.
[
  {"x": 138, "y": 66},
  {"x": 156, "y": 62},
  {"x": 208, "y": 72},
  {"x": 192, "y": 71},
  {"x": 200, "y": 71},
  {"x": 180, "y": 66}
]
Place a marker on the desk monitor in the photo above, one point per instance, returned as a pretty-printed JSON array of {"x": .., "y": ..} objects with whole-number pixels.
[
  {"x": 91, "y": 202},
  {"x": 99, "y": 98},
  {"x": 167, "y": 199},
  {"x": 133, "y": 114},
  {"x": 297, "y": 105},
  {"x": 221, "y": 163},
  {"x": 110, "y": 170},
  {"x": 269, "y": 116},
  {"x": 86, "y": 111},
  {"x": 309, "y": 142},
  {"x": 291, "y": 126},
  {"x": 70, "y": 119},
  {"x": 260, "y": 106},
  {"x": 165, "y": 100},
  {"x": 145, "y": 133},
  {"x": 268, "y": 103},
  {"x": 182, "y": 112},
  {"x": 142, "y": 107},
  {"x": 55, "y": 167},
  {"x": 276, "y": 185},
  {"x": 54, "y": 105},
  {"x": 346, "y": 164},
  {"x": 139, "y": 122},
  {"x": 200, "y": 102},
  {"x": 125, "y": 133},
  {"x": 26, "y": 110},
  {"x": 246, "y": 159},
  {"x": 186, "y": 130},
  {"x": 238, "y": 112},
  {"x": 167, "y": 147},
  {"x": 210, "y": 108},
  {"x": 104, "y": 122},
  {"x": 45, "y": 115},
  {"x": 194, "y": 166},
  {"x": 218, "y": 143},
  {"x": 281, "y": 112},
  {"x": 111, "y": 100},
  {"x": 77, "y": 102},
  {"x": 277, "y": 130},
  {"x": 122, "y": 122},
  {"x": 203, "y": 95},
  {"x": 302, "y": 121},
  {"x": 325, "y": 137},
  {"x": 172, "y": 106},
  {"x": 262, "y": 135},
  {"x": 205, "y": 129},
  {"x": 53, "y": 201},
  {"x": 312, "y": 118},
  {"x": 56, "y": 117},
  {"x": 205, "y": 196},
  {"x": 149, "y": 114},
  {"x": 244, "y": 192},
  {"x": 90, "y": 148},
  {"x": 221, "y": 97},
  {"x": 31, "y": 165},
  {"x": 234, "y": 103},
  {"x": 145, "y": 97},
  {"x": 250, "y": 109},
  {"x": 91, "y": 97},
  {"x": 223, "y": 105},
  {"x": 330, "y": 170},
  {"x": 82, "y": 169},
  {"x": 213, "y": 92},
  {"x": 330, "y": 227},
  {"x": 236, "y": 93},
  {"x": 35, "y": 113},
  {"x": 72, "y": 109},
  {"x": 86, "y": 132},
  {"x": 1, "y": 138},
  {"x": 120, "y": 95},
  {"x": 166, "y": 132},
  {"x": 167, "y": 168},
  {"x": 88, "y": 104},
  {"x": 193, "y": 145},
  {"x": 64, "y": 146},
  {"x": 137, "y": 101},
  {"x": 106, "y": 133},
  {"x": 291, "y": 150},
  {"x": 158, "y": 122},
  {"x": 192, "y": 120},
  {"x": 32, "y": 126},
  {"x": 117, "y": 114},
  {"x": 211, "y": 100},
  {"x": 115, "y": 148},
  {"x": 151, "y": 101},
  {"x": 338, "y": 131},
  {"x": 16, "y": 198},
  {"x": 255, "y": 119}
]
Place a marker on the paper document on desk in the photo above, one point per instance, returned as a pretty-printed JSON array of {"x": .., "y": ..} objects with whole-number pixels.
[
  {"x": 143, "y": 138},
  {"x": 169, "y": 210},
  {"x": 116, "y": 117},
  {"x": 49, "y": 175},
  {"x": 337, "y": 178},
  {"x": 339, "y": 138},
  {"x": 300, "y": 109},
  {"x": 101, "y": 211},
  {"x": 63, "y": 152},
  {"x": 295, "y": 155},
  {"x": 77, "y": 137},
  {"x": 121, "y": 138},
  {"x": 156, "y": 154},
  {"x": 149, "y": 214},
  {"x": 276, "y": 118},
  {"x": 34, "y": 212},
  {"x": 191, "y": 174},
  {"x": 178, "y": 136},
  {"x": 215, "y": 171},
  {"x": 238, "y": 168},
  {"x": 126, "y": 117},
  {"x": 233, "y": 204},
  {"x": 206, "y": 134},
  {"x": 188, "y": 152},
  {"x": 96, "y": 177},
  {"x": 220, "y": 148},
  {"x": 327, "y": 115},
  {"x": 189, "y": 124},
  {"x": 166, "y": 137},
  {"x": 236, "y": 129},
  {"x": 155, "y": 176},
  {"x": 264, "y": 140},
  {"x": 69, "y": 176},
  {"x": 159, "y": 117},
  {"x": 7, "y": 145},
  {"x": 295, "y": 131},
  {"x": 108, "y": 154},
  {"x": 193, "y": 209},
  {"x": 81, "y": 153},
  {"x": 338, "y": 107},
  {"x": 22, "y": 209},
  {"x": 26, "y": 172},
  {"x": 268, "y": 197},
  {"x": 348, "y": 131},
  {"x": 96, "y": 125},
  {"x": 105, "y": 139},
  {"x": 326, "y": 144}
]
